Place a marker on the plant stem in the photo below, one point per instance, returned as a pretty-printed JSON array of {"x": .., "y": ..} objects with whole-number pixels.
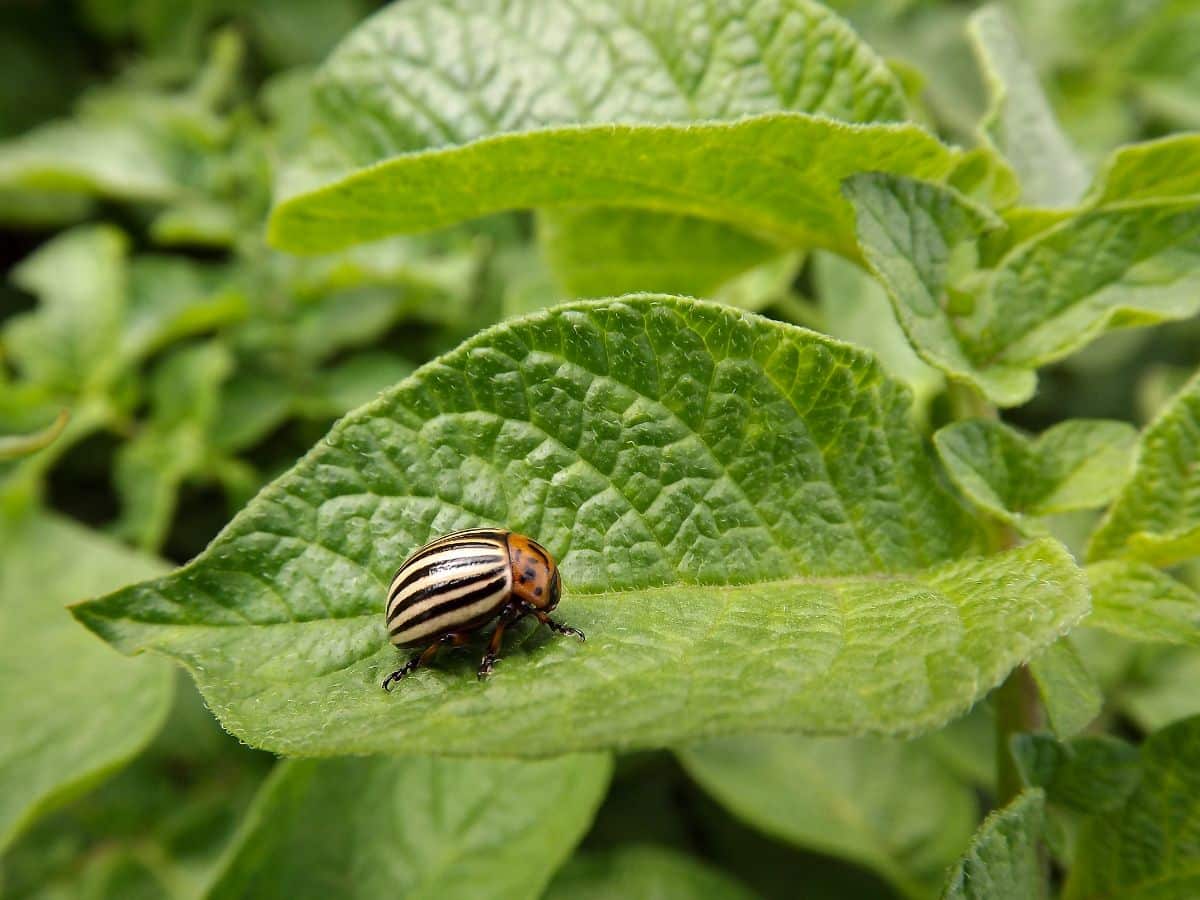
[
  {"x": 1017, "y": 710},
  {"x": 1016, "y": 701}
]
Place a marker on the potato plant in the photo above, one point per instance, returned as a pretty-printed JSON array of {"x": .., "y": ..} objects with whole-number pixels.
[{"x": 844, "y": 358}]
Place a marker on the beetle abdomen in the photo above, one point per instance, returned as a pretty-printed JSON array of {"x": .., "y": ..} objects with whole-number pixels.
[{"x": 452, "y": 584}]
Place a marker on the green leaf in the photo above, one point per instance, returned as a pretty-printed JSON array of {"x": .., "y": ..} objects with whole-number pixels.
[
  {"x": 67, "y": 342},
  {"x": 919, "y": 239},
  {"x": 1020, "y": 122},
  {"x": 1152, "y": 170},
  {"x": 698, "y": 111},
  {"x": 746, "y": 174},
  {"x": 600, "y": 252},
  {"x": 1002, "y": 861},
  {"x": 1137, "y": 601},
  {"x": 1165, "y": 691},
  {"x": 174, "y": 445},
  {"x": 130, "y": 141},
  {"x": 855, "y": 308},
  {"x": 642, "y": 872},
  {"x": 1077, "y": 464},
  {"x": 1156, "y": 517},
  {"x": 1090, "y": 775},
  {"x": 103, "y": 158},
  {"x": 172, "y": 810},
  {"x": 17, "y": 445},
  {"x": 172, "y": 298},
  {"x": 1148, "y": 847},
  {"x": 688, "y": 61},
  {"x": 1070, "y": 694},
  {"x": 1115, "y": 266},
  {"x": 886, "y": 804},
  {"x": 710, "y": 481},
  {"x": 416, "y": 827},
  {"x": 67, "y": 728},
  {"x": 357, "y": 380}
]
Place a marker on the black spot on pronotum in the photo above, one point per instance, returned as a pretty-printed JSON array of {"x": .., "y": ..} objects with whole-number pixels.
[{"x": 537, "y": 592}]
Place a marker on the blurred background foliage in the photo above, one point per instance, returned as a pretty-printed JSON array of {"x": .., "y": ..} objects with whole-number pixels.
[{"x": 138, "y": 146}]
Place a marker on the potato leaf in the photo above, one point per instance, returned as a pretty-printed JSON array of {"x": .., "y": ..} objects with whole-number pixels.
[
  {"x": 642, "y": 872},
  {"x": 1002, "y": 861},
  {"x": 1091, "y": 775},
  {"x": 1019, "y": 121},
  {"x": 750, "y": 531},
  {"x": 1069, "y": 692},
  {"x": 887, "y": 804},
  {"x": 1079, "y": 464},
  {"x": 731, "y": 113},
  {"x": 418, "y": 827},
  {"x": 1137, "y": 601},
  {"x": 1156, "y": 517},
  {"x": 73, "y": 710},
  {"x": 1111, "y": 265},
  {"x": 1148, "y": 847}
]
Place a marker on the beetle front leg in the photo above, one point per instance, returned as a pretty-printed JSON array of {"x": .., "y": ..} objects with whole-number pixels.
[{"x": 557, "y": 627}]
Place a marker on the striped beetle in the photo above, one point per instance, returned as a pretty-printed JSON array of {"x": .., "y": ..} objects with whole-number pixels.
[{"x": 457, "y": 584}]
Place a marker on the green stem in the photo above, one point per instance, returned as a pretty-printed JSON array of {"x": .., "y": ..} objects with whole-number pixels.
[
  {"x": 1016, "y": 702},
  {"x": 1017, "y": 710}
]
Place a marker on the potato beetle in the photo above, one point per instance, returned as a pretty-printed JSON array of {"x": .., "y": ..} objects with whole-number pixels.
[{"x": 452, "y": 587}]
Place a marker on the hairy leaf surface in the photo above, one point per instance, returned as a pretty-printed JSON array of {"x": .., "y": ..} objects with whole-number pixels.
[
  {"x": 1112, "y": 264},
  {"x": 1137, "y": 601},
  {"x": 1156, "y": 517},
  {"x": 1078, "y": 464},
  {"x": 1019, "y": 120},
  {"x": 1150, "y": 846},
  {"x": 1092, "y": 774},
  {"x": 1002, "y": 860},
  {"x": 732, "y": 112},
  {"x": 750, "y": 531}
]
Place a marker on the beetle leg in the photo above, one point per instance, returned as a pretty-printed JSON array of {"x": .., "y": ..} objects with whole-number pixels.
[
  {"x": 423, "y": 658},
  {"x": 510, "y": 615},
  {"x": 556, "y": 627}
]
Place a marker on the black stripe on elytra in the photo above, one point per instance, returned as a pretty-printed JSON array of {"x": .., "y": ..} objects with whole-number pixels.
[
  {"x": 439, "y": 547},
  {"x": 450, "y": 606},
  {"x": 446, "y": 565},
  {"x": 451, "y": 584}
]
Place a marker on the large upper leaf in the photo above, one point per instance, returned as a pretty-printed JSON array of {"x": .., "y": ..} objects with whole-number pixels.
[
  {"x": 1156, "y": 517},
  {"x": 1150, "y": 846},
  {"x": 1002, "y": 861},
  {"x": 890, "y": 805},
  {"x": 72, "y": 709},
  {"x": 417, "y": 827},
  {"x": 438, "y": 111},
  {"x": 776, "y": 175},
  {"x": 742, "y": 513}
]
